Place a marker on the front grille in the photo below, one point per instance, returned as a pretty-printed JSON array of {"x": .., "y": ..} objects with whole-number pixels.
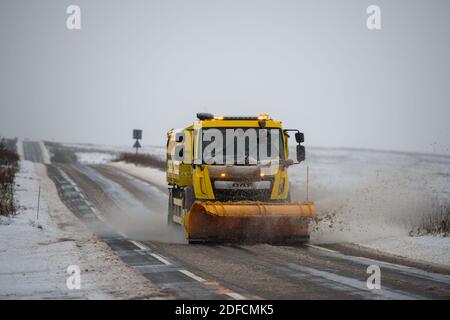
[{"x": 237, "y": 195}]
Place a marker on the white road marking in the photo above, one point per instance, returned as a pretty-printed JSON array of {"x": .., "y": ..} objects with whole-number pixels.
[
  {"x": 65, "y": 176},
  {"x": 320, "y": 248},
  {"x": 235, "y": 295},
  {"x": 192, "y": 275},
  {"x": 225, "y": 291},
  {"x": 427, "y": 275},
  {"x": 74, "y": 185},
  {"x": 93, "y": 209},
  {"x": 95, "y": 212},
  {"x": 393, "y": 266},
  {"x": 157, "y": 256},
  {"x": 354, "y": 283},
  {"x": 139, "y": 245},
  {"x": 122, "y": 234}
]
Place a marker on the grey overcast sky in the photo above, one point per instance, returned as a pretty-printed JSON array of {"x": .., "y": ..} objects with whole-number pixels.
[{"x": 153, "y": 64}]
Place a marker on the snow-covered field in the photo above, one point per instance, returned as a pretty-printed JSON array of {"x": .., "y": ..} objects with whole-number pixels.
[
  {"x": 433, "y": 249},
  {"x": 365, "y": 194},
  {"x": 35, "y": 252}
]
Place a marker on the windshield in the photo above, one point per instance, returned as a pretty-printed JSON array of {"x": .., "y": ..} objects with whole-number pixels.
[{"x": 241, "y": 146}]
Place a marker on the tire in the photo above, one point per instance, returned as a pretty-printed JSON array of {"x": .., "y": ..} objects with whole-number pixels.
[{"x": 189, "y": 198}]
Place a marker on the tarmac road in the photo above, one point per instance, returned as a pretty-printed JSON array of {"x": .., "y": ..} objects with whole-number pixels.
[
  {"x": 130, "y": 215},
  {"x": 32, "y": 151}
]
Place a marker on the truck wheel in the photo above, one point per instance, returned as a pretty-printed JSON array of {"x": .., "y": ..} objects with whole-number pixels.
[{"x": 189, "y": 198}]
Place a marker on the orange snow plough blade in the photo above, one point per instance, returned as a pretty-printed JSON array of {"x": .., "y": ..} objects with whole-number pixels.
[{"x": 248, "y": 222}]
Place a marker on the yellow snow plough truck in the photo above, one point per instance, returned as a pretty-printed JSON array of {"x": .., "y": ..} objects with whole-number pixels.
[{"x": 228, "y": 181}]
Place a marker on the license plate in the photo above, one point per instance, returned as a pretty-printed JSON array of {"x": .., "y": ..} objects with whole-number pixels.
[{"x": 239, "y": 185}]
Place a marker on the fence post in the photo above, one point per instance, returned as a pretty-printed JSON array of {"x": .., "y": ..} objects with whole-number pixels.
[{"x": 39, "y": 202}]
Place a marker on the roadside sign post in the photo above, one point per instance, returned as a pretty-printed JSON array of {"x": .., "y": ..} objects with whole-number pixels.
[
  {"x": 137, "y": 135},
  {"x": 137, "y": 145},
  {"x": 39, "y": 202}
]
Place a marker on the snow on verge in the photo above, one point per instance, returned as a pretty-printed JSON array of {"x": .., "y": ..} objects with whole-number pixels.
[
  {"x": 151, "y": 175},
  {"x": 94, "y": 157},
  {"x": 35, "y": 254},
  {"x": 19, "y": 148},
  {"x": 45, "y": 154},
  {"x": 432, "y": 249}
]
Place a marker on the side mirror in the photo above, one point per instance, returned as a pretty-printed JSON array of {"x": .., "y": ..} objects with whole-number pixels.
[
  {"x": 300, "y": 153},
  {"x": 299, "y": 137},
  {"x": 179, "y": 137}
]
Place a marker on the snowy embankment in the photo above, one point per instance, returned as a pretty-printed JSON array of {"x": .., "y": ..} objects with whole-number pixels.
[
  {"x": 430, "y": 249},
  {"x": 373, "y": 199},
  {"x": 114, "y": 150},
  {"x": 35, "y": 252},
  {"x": 45, "y": 154},
  {"x": 94, "y": 157},
  {"x": 153, "y": 176},
  {"x": 377, "y": 199}
]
